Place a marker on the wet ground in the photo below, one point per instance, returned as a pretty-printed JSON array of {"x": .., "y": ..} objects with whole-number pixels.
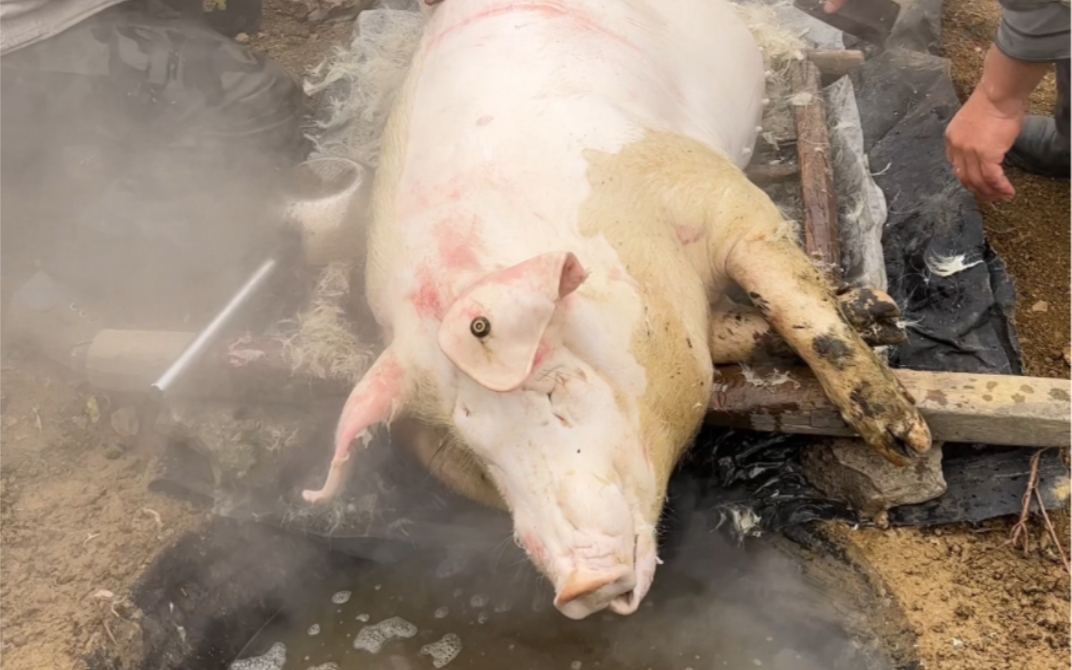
[{"x": 713, "y": 606}]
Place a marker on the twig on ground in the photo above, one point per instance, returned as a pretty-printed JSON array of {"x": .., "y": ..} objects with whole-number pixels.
[
  {"x": 109, "y": 631},
  {"x": 1053, "y": 533},
  {"x": 1020, "y": 529}
]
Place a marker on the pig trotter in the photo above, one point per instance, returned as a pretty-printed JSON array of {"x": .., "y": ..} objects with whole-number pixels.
[
  {"x": 800, "y": 307},
  {"x": 874, "y": 315}
]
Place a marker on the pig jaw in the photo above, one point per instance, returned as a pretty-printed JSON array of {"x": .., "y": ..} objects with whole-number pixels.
[{"x": 605, "y": 562}]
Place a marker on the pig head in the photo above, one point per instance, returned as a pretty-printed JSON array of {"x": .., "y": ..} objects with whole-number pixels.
[{"x": 531, "y": 394}]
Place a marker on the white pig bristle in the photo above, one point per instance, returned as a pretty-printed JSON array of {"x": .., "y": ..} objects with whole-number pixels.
[
  {"x": 947, "y": 266},
  {"x": 321, "y": 342},
  {"x": 776, "y": 378},
  {"x": 779, "y": 45},
  {"x": 742, "y": 520},
  {"x": 373, "y": 68}
]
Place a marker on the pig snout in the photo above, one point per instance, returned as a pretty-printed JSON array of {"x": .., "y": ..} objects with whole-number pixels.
[
  {"x": 586, "y": 592},
  {"x": 592, "y": 571}
]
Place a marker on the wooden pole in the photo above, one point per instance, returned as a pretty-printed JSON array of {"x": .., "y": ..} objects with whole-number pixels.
[
  {"x": 816, "y": 173},
  {"x": 834, "y": 64},
  {"x": 958, "y": 407}
]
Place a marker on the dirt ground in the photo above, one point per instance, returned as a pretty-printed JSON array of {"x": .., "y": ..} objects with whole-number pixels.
[
  {"x": 79, "y": 525},
  {"x": 975, "y": 602}
]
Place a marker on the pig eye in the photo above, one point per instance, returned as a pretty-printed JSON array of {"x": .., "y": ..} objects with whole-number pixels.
[{"x": 480, "y": 327}]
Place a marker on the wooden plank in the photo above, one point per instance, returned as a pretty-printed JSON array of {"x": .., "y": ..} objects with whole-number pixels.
[
  {"x": 958, "y": 407},
  {"x": 816, "y": 173},
  {"x": 834, "y": 64},
  {"x": 129, "y": 361}
]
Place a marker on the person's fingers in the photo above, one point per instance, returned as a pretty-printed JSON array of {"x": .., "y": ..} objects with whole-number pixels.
[
  {"x": 832, "y": 6},
  {"x": 996, "y": 181},
  {"x": 972, "y": 178}
]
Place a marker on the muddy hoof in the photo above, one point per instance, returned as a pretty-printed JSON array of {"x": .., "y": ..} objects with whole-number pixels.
[
  {"x": 874, "y": 315},
  {"x": 887, "y": 419}
]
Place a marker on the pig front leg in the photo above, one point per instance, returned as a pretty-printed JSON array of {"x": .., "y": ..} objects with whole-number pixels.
[
  {"x": 741, "y": 334},
  {"x": 792, "y": 295},
  {"x": 375, "y": 399}
]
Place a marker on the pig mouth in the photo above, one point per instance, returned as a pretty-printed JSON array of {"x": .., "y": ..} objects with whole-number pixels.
[{"x": 619, "y": 588}]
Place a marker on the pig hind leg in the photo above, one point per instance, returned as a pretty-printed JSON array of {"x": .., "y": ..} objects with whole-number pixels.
[{"x": 741, "y": 334}]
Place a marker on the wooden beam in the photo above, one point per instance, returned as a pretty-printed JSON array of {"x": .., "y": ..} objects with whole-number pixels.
[
  {"x": 834, "y": 64},
  {"x": 958, "y": 407},
  {"x": 129, "y": 361},
  {"x": 816, "y": 173}
]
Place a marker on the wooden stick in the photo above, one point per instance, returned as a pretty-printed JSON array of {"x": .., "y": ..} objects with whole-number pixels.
[
  {"x": 816, "y": 174},
  {"x": 129, "y": 361},
  {"x": 834, "y": 64},
  {"x": 958, "y": 407}
]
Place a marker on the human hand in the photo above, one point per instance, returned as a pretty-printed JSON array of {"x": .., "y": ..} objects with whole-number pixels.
[
  {"x": 976, "y": 141},
  {"x": 832, "y": 6}
]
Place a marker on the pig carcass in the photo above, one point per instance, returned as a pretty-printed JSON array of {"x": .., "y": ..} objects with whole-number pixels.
[{"x": 559, "y": 210}]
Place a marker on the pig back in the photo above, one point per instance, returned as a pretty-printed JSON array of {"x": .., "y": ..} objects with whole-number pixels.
[{"x": 504, "y": 98}]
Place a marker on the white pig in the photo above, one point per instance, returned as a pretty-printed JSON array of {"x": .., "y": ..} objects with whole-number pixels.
[{"x": 559, "y": 209}]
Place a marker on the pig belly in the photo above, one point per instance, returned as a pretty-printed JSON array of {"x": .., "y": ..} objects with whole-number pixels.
[{"x": 505, "y": 98}]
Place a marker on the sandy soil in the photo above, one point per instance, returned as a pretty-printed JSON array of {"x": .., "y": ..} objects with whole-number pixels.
[
  {"x": 973, "y": 600},
  {"x": 78, "y": 524}
]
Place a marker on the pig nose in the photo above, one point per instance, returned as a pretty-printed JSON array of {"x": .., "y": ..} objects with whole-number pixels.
[{"x": 586, "y": 592}]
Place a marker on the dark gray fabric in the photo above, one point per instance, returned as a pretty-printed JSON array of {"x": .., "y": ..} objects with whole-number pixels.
[
  {"x": 189, "y": 132},
  {"x": 1034, "y": 30},
  {"x": 1061, "y": 106}
]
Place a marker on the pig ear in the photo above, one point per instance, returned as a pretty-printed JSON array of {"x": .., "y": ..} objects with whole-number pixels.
[{"x": 493, "y": 330}]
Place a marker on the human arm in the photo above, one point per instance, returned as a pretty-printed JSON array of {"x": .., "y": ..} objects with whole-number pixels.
[{"x": 985, "y": 128}]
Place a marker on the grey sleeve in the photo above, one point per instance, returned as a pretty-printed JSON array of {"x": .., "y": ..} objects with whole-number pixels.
[{"x": 1034, "y": 30}]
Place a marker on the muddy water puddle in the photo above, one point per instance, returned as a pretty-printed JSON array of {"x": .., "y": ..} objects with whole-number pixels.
[{"x": 713, "y": 606}]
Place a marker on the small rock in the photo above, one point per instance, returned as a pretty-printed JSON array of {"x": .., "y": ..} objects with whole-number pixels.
[
  {"x": 113, "y": 451},
  {"x": 261, "y": 35},
  {"x": 964, "y": 611},
  {"x": 1067, "y": 353},
  {"x": 241, "y": 38},
  {"x": 93, "y": 409},
  {"x": 1040, "y": 306},
  {"x": 125, "y": 422},
  {"x": 847, "y": 470}
]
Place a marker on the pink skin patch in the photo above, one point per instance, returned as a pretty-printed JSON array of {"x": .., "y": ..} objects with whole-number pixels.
[
  {"x": 426, "y": 299},
  {"x": 534, "y": 548},
  {"x": 369, "y": 403},
  {"x": 458, "y": 245},
  {"x": 687, "y": 235},
  {"x": 484, "y": 120},
  {"x": 541, "y": 355},
  {"x": 546, "y": 10}
]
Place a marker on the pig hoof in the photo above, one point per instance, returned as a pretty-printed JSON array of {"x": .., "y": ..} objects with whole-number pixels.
[
  {"x": 315, "y": 497},
  {"x": 874, "y": 315},
  {"x": 886, "y": 417}
]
